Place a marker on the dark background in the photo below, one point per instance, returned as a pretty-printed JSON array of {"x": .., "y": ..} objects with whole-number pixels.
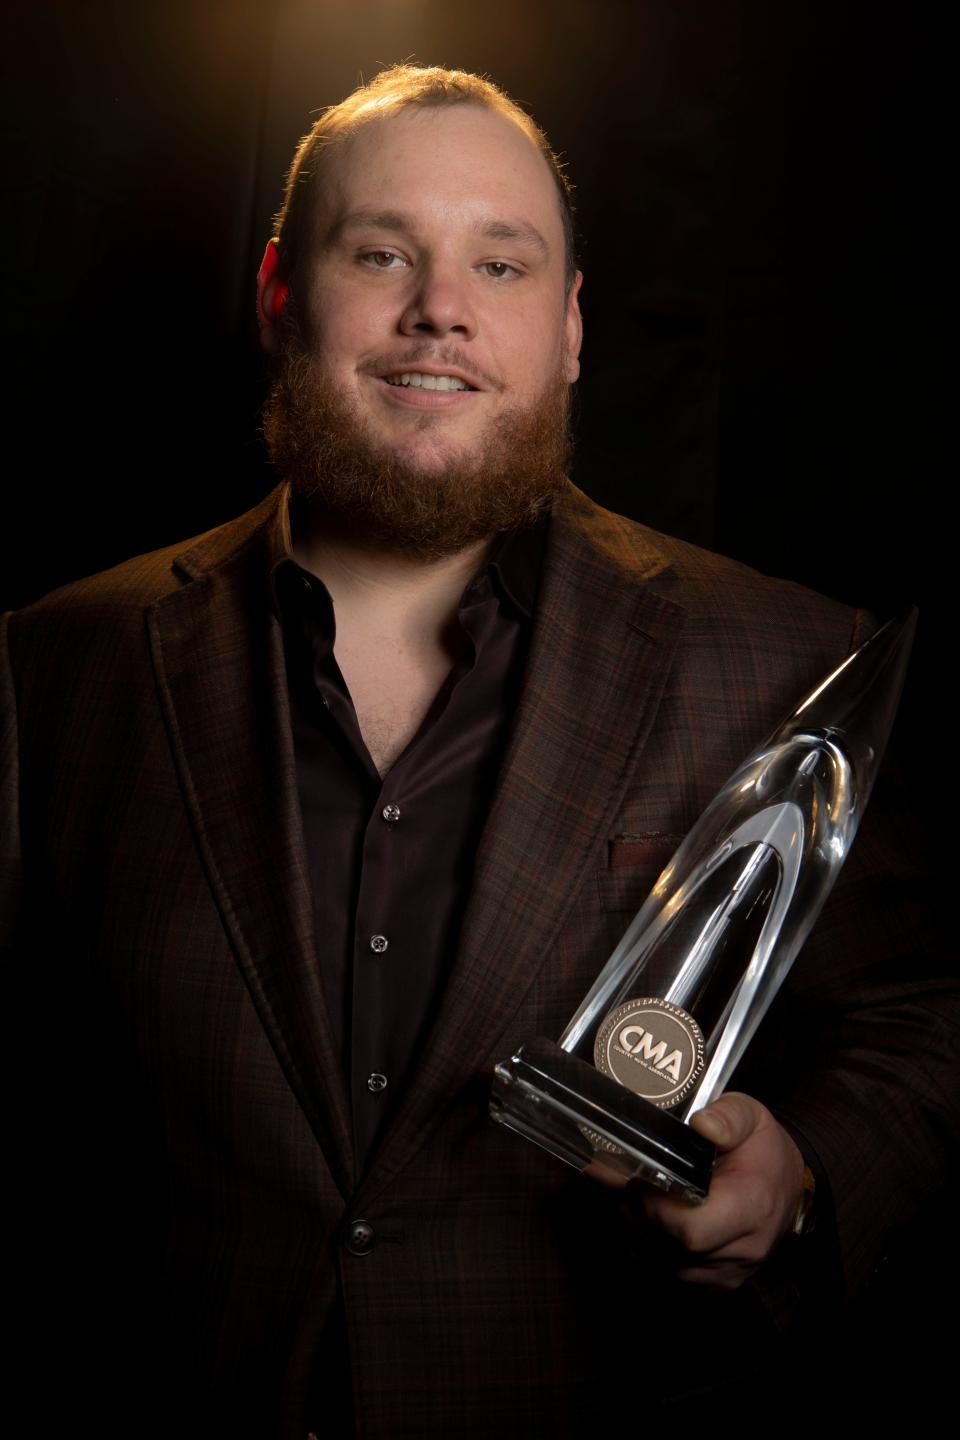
[
  {"x": 760, "y": 192},
  {"x": 759, "y": 187}
]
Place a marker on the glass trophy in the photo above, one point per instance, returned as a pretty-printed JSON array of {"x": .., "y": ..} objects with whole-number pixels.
[{"x": 668, "y": 1018}]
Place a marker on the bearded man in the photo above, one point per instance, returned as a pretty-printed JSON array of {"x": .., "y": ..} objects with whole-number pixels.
[{"x": 324, "y": 812}]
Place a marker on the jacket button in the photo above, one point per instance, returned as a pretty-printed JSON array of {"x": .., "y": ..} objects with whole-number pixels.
[{"x": 361, "y": 1237}]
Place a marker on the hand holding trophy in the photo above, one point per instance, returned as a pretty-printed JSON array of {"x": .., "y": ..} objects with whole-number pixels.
[{"x": 667, "y": 1020}]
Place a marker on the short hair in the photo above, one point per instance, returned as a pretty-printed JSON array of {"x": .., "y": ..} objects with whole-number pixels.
[{"x": 401, "y": 87}]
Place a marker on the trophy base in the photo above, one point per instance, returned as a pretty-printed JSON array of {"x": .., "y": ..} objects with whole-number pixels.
[{"x": 583, "y": 1117}]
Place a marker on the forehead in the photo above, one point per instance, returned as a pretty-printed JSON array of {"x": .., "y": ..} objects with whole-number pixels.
[{"x": 450, "y": 164}]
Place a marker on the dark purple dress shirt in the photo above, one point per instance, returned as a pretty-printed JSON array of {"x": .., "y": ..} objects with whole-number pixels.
[{"x": 391, "y": 859}]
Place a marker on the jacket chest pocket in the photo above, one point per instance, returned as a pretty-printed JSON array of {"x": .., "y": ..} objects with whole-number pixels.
[{"x": 634, "y": 863}]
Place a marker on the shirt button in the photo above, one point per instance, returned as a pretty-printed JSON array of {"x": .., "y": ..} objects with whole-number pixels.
[
  {"x": 378, "y": 943},
  {"x": 376, "y": 1082},
  {"x": 305, "y": 585},
  {"x": 391, "y": 813},
  {"x": 361, "y": 1237}
]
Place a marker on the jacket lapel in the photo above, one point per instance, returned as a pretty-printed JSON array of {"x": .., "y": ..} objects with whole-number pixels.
[
  {"x": 219, "y": 660},
  {"x": 601, "y": 649}
]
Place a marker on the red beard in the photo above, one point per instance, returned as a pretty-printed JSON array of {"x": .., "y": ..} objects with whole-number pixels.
[{"x": 339, "y": 471}]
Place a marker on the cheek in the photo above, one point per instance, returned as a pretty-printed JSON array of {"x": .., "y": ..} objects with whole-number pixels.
[
  {"x": 356, "y": 325},
  {"x": 527, "y": 342},
  {"x": 540, "y": 351}
]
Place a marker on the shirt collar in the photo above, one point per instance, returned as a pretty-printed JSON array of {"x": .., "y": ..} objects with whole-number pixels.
[
  {"x": 514, "y": 564},
  {"x": 512, "y": 568}
]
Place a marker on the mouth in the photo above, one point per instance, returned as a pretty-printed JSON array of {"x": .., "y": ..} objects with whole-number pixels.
[{"x": 422, "y": 380}]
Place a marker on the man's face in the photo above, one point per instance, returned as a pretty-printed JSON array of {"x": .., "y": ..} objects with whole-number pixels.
[{"x": 435, "y": 321}]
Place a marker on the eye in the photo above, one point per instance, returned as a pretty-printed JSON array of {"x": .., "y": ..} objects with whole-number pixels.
[
  {"x": 499, "y": 269},
  {"x": 383, "y": 260}
]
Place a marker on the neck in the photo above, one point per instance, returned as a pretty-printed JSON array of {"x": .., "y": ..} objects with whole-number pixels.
[{"x": 396, "y": 591}]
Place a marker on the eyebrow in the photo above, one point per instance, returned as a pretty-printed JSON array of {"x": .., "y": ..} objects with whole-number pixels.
[
  {"x": 517, "y": 231},
  {"x": 374, "y": 219}
]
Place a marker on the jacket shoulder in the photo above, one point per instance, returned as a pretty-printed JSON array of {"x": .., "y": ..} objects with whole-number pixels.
[
  {"x": 144, "y": 579},
  {"x": 719, "y": 596},
  {"x": 100, "y": 622}
]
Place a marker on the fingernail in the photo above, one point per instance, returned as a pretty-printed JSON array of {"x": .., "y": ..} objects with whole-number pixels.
[{"x": 716, "y": 1124}]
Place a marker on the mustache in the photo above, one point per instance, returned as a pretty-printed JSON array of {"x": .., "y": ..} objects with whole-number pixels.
[{"x": 448, "y": 356}]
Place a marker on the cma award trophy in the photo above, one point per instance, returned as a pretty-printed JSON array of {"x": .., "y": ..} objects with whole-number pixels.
[{"x": 664, "y": 1025}]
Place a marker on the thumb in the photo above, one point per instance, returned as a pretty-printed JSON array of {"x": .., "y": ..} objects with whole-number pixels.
[{"x": 728, "y": 1121}]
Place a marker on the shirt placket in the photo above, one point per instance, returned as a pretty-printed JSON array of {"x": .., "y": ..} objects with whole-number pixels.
[
  {"x": 379, "y": 955},
  {"x": 391, "y": 959}
]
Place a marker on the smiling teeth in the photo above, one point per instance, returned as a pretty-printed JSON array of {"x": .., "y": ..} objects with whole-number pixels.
[{"x": 418, "y": 381}]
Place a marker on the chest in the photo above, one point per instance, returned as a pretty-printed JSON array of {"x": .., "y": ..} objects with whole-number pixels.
[{"x": 392, "y": 689}]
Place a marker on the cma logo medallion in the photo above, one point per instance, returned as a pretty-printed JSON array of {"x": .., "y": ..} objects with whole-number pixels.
[{"x": 653, "y": 1048}]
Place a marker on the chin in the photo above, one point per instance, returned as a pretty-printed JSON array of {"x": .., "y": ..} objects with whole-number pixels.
[{"x": 434, "y": 461}]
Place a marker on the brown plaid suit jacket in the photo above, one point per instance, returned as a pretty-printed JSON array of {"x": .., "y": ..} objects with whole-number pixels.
[{"x": 178, "y": 1100}]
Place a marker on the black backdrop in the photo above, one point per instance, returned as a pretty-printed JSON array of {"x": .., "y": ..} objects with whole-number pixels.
[{"x": 760, "y": 195}]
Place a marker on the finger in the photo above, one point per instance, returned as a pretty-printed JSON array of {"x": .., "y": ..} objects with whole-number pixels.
[
  {"x": 604, "y": 1175},
  {"x": 701, "y": 1226},
  {"x": 703, "y": 1229},
  {"x": 729, "y": 1275},
  {"x": 729, "y": 1121},
  {"x": 725, "y": 1267}
]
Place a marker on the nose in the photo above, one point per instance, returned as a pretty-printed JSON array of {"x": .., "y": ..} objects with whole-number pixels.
[{"x": 439, "y": 303}]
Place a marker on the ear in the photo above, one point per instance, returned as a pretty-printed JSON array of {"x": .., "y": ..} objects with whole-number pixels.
[
  {"x": 573, "y": 327},
  {"x": 272, "y": 291}
]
